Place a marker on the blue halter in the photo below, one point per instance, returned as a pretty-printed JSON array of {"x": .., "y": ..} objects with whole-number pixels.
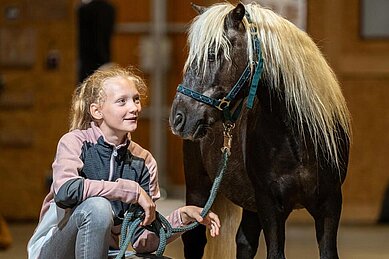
[{"x": 224, "y": 103}]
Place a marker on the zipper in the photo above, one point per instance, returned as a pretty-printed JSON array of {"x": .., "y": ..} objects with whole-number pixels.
[{"x": 112, "y": 163}]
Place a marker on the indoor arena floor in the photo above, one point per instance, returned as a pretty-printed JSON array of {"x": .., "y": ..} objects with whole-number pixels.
[{"x": 355, "y": 241}]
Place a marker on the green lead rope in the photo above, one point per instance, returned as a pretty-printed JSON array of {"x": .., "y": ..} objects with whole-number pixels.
[{"x": 161, "y": 227}]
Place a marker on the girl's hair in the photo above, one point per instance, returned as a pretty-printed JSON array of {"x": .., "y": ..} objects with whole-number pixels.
[{"x": 91, "y": 91}]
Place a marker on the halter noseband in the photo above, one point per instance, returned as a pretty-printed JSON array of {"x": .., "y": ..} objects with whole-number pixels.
[{"x": 224, "y": 103}]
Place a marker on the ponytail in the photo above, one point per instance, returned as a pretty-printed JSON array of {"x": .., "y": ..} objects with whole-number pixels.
[{"x": 80, "y": 116}]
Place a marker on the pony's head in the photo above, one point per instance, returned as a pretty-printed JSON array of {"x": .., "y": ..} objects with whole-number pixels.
[
  {"x": 221, "y": 47},
  {"x": 217, "y": 57}
]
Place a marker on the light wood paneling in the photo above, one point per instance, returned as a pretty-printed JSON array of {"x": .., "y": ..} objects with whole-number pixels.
[
  {"x": 362, "y": 67},
  {"x": 34, "y": 104}
]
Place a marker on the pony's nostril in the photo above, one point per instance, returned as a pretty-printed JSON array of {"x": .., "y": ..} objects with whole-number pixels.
[{"x": 179, "y": 121}]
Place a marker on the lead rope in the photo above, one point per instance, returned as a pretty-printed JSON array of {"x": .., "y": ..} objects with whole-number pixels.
[{"x": 161, "y": 226}]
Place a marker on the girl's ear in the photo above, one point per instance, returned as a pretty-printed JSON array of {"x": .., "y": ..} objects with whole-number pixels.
[{"x": 94, "y": 110}]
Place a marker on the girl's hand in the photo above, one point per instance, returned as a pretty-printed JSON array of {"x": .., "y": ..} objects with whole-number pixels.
[
  {"x": 148, "y": 206},
  {"x": 192, "y": 213}
]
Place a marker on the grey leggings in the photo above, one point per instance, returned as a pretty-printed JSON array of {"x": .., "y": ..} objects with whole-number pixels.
[{"x": 85, "y": 235}]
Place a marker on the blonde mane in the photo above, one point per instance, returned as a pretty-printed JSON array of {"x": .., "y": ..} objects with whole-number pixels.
[{"x": 313, "y": 97}]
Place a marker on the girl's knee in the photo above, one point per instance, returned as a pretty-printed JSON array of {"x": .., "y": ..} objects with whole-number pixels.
[
  {"x": 98, "y": 209},
  {"x": 99, "y": 204}
]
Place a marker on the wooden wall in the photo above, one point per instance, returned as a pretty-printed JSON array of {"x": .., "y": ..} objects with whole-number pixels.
[
  {"x": 35, "y": 99},
  {"x": 362, "y": 67}
]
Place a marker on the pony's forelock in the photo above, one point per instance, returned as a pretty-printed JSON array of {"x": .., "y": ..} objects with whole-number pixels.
[
  {"x": 207, "y": 32},
  {"x": 313, "y": 97}
]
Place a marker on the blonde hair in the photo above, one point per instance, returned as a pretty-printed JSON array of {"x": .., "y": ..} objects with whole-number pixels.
[{"x": 92, "y": 91}]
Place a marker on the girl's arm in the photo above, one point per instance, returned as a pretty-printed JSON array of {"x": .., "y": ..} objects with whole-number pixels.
[{"x": 71, "y": 189}]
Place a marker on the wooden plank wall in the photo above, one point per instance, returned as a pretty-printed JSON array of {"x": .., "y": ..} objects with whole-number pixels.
[
  {"x": 362, "y": 67},
  {"x": 34, "y": 100}
]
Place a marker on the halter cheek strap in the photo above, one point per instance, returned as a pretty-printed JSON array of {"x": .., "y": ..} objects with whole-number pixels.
[
  {"x": 224, "y": 103},
  {"x": 258, "y": 65}
]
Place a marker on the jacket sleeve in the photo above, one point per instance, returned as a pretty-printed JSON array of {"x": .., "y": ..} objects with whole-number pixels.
[
  {"x": 67, "y": 183},
  {"x": 70, "y": 193},
  {"x": 71, "y": 189}
]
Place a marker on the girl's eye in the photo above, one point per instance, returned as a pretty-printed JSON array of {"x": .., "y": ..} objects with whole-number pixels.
[
  {"x": 121, "y": 101},
  {"x": 137, "y": 99}
]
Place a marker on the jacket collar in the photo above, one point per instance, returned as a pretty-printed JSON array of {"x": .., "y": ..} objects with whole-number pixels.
[{"x": 97, "y": 131}]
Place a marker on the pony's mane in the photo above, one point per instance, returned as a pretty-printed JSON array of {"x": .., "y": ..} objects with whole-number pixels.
[{"x": 313, "y": 97}]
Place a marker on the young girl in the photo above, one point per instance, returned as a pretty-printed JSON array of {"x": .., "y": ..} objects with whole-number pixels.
[{"x": 99, "y": 171}]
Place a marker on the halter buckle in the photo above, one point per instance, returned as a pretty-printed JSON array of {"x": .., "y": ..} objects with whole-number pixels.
[{"x": 223, "y": 104}]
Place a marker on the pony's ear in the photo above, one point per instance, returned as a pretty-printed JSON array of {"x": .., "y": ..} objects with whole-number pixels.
[
  {"x": 236, "y": 15},
  {"x": 199, "y": 9}
]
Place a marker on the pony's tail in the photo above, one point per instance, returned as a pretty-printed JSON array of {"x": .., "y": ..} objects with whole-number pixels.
[{"x": 223, "y": 246}]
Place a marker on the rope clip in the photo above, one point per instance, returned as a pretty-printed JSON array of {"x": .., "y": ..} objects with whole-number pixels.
[{"x": 227, "y": 134}]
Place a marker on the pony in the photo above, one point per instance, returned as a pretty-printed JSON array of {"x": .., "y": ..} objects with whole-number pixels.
[{"x": 254, "y": 72}]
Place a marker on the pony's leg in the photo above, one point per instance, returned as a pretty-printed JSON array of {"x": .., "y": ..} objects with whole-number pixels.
[
  {"x": 198, "y": 185},
  {"x": 194, "y": 242},
  {"x": 274, "y": 233},
  {"x": 327, "y": 222},
  {"x": 272, "y": 217},
  {"x": 247, "y": 237}
]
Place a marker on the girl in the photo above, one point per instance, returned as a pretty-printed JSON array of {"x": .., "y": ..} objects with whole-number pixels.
[{"x": 99, "y": 171}]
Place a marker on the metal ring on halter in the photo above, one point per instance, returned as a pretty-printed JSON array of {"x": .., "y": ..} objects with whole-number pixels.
[{"x": 223, "y": 104}]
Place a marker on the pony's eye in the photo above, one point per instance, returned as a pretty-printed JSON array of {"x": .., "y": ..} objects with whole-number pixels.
[{"x": 211, "y": 55}]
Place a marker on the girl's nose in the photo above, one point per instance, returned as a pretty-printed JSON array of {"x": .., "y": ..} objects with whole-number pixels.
[{"x": 134, "y": 107}]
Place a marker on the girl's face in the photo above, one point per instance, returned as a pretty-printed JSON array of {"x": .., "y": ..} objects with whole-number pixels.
[{"x": 120, "y": 109}]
